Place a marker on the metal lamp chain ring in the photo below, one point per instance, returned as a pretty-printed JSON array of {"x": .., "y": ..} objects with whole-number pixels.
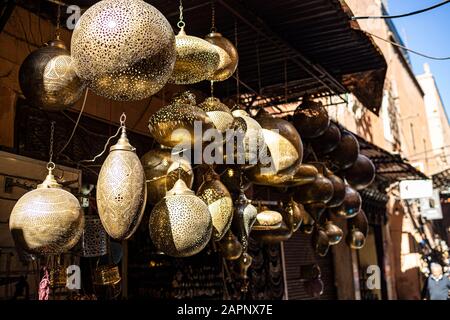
[
  {"x": 181, "y": 24},
  {"x": 213, "y": 16},
  {"x": 58, "y": 23},
  {"x": 51, "y": 164}
]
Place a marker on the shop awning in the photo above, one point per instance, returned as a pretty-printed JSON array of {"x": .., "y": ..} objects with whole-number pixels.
[
  {"x": 441, "y": 180},
  {"x": 287, "y": 47}
]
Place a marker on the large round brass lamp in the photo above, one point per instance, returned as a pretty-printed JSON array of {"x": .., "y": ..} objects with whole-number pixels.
[
  {"x": 180, "y": 224},
  {"x": 121, "y": 190},
  {"x": 124, "y": 49},
  {"x": 47, "y": 220},
  {"x": 311, "y": 118},
  {"x": 218, "y": 112},
  {"x": 361, "y": 174},
  {"x": 229, "y": 63},
  {"x": 48, "y": 80}
]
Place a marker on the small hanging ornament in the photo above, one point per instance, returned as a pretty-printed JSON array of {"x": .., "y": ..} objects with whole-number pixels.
[
  {"x": 219, "y": 201},
  {"x": 180, "y": 224},
  {"x": 196, "y": 60},
  {"x": 218, "y": 112},
  {"x": 356, "y": 239},
  {"x": 333, "y": 232},
  {"x": 124, "y": 49},
  {"x": 49, "y": 219},
  {"x": 121, "y": 189},
  {"x": 174, "y": 125},
  {"x": 359, "y": 222},
  {"x": 47, "y": 78},
  {"x": 162, "y": 170},
  {"x": 297, "y": 211},
  {"x": 320, "y": 242}
]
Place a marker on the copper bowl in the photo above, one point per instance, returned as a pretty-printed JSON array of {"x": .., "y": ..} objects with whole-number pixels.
[
  {"x": 328, "y": 141},
  {"x": 346, "y": 152},
  {"x": 361, "y": 174},
  {"x": 351, "y": 205},
  {"x": 311, "y": 118}
]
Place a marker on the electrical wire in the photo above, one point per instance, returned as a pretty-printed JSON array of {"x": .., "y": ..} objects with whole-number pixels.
[
  {"x": 406, "y": 48},
  {"x": 403, "y": 15}
]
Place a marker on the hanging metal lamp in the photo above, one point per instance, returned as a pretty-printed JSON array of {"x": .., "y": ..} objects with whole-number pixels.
[
  {"x": 121, "y": 189},
  {"x": 47, "y": 220},
  {"x": 333, "y": 232},
  {"x": 230, "y": 247},
  {"x": 243, "y": 219},
  {"x": 311, "y": 118},
  {"x": 218, "y": 112},
  {"x": 220, "y": 204},
  {"x": 346, "y": 152},
  {"x": 229, "y": 62},
  {"x": 361, "y": 174},
  {"x": 48, "y": 79},
  {"x": 180, "y": 224},
  {"x": 351, "y": 205},
  {"x": 124, "y": 49}
]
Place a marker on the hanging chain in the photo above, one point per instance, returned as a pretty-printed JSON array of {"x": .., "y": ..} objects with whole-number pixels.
[
  {"x": 51, "y": 164},
  {"x": 285, "y": 82},
  {"x": 212, "y": 88},
  {"x": 258, "y": 63},
  {"x": 181, "y": 23},
  {"x": 213, "y": 16},
  {"x": 238, "y": 93},
  {"x": 58, "y": 23}
]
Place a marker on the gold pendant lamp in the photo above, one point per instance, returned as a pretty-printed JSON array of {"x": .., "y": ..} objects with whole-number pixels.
[
  {"x": 49, "y": 219},
  {"x": 218, "y": 112},
  {"x": 48, "y": 79},
  {"x": 180, "y": 224},
  {"x": 196, "y": 59},
  {"x": 220, "y": 204},
  {"x": 121, "y": 189},
  {"x": 124, "y": 49},
  {"x": 243, "y": 219}
]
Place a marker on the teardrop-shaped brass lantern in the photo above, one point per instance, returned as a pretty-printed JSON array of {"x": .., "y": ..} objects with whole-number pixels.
[
  {"x": 351, "y": 205},
  {"x": 347, "y": 151},
  {"x": 333, "y": 232},
  {"x": 248, "y": 142},
  {"x": 220, "y": 204},
  {"x": 297, "y": 211},
  {"x": 47, "y": 220},
  {"x": 361, "y": 174},
  {"x": 174, "y": 124},
  {"x": 306, "y": 174},
  {"x": 311, "y": 118},
  {"x": 327, "y": 141},
  {"x": 180, "y": 224},
  {"x": 124, "y": 49},
  {"x": 197, "y": 59},
  {"x": 285, "y": 151},
  {"x": 321, "y": 190},
  {"x": 356, "y": 239},
  {"x": 243, "y": 219},
  {"x": 47, "y": 78},
  {"x": 218, "y": 112},
  {"x": 320, "y": 242},
  {"x": 230, "y": 247},
  {"x": 359, "y": 222},
  {"x": 227, "y": 65},
  {"x": 162, "y": 170},
  {"x": 121, "y": 190},
  {"x": 338, "y": 189}
]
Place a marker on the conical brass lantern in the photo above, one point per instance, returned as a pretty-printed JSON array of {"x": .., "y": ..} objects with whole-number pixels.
[
  {"x": 285, "y": 151},
  {"x": 47, "y": 220},
  {"x": 162, "y": 170},
  {"x": 197, "y": 59},
  {"x": 121, "y": 190},
  {"x": 228, "y": 64},
  {"x": 218, "y": 112},
  {"x": 124, "y": 49},
  {"x": 175, "y": 124},
  {"x": 47, "y": 78},
  {"x": 180, "y": 224},
  {"x": 220, "y": 204}
]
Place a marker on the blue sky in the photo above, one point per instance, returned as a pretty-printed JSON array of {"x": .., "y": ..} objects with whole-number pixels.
[{"x": 427, "y": 32}]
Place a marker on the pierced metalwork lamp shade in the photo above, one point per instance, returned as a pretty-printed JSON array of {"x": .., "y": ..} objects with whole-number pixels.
[
  {"x": 94, "y": 241},
  {"x": 196, "y": 59},
  {"x": 229, "y": 62},
  {"x": 47, "y": 220},
  {"x": 218, "y": 112},
  {"x": 121, "y": 190},
  {"x": 180, "y": 224},
  {"x": 311, "y": 118},
  {"x": 47, "y": 78},
  {"x": 124, "y": 49},
  {"x": 220, "y": 204}
]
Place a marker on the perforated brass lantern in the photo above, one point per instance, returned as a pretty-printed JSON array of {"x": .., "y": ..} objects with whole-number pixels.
[
  {"x": 124, "y": 49},
  {"x": 180, "y": 224},
  {"x": 218, "y": 112},
  {"x": 48, "y": 80},
  {"x": 361, "y": 174},
  {"x": 197, "y": 59},
  {"x": 230, "y": 247},
  {"x": 333, "y": 232},
  {"x": 351, "y": 204},
  {"x": 285, "y": 150},
  {"x": 311, "y": 118},
  {"x": 243, "y": 219},
  {"x": 174, "y": 124},
  {"x": 220, "y": 204},
  {"x": 121, "y": 190},
  {"x": 94, "y": 240},
  {"x": 47, "y": 220},
  {"x": 162, "y": 170},
  {"x": 229, "y": 62}
]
